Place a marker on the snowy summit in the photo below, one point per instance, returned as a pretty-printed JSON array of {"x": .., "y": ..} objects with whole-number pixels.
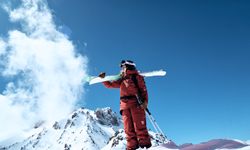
[
  {"x": 101, "y": 129},
  {"x": 83, "y": 129}
]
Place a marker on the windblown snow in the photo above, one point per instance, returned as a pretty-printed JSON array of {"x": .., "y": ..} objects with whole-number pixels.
[{"x": 41, "y": 67}]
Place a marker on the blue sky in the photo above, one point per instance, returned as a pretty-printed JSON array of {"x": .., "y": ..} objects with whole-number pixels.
[{"x": 203, "y": 45}]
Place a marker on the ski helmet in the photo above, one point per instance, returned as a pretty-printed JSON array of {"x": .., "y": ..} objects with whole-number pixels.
[{"x": 128, "y": 63}]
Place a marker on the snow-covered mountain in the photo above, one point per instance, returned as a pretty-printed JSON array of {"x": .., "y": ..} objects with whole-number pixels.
[
  {"x": 101, "y": 129},
  {"x": 218, "y": 144},
  {"x": 84, "y": 129}
]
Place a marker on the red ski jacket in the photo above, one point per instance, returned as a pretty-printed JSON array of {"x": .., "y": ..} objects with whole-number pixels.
[{"x": 128, "y": 89}]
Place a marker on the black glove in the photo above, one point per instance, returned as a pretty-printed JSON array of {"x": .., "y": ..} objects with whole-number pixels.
[{"x": 102, "y": 75}]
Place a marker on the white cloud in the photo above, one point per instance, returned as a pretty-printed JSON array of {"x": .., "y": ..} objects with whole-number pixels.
[
  {"x": 2, "y": 46},
  {"x": 47, "y": 70}
]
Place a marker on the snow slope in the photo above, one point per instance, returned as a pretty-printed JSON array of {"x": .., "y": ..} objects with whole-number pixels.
[
  {"x": 101, "y": 129},
  {"x": 83, "y": 129}
]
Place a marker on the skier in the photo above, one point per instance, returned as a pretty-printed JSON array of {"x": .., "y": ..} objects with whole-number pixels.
[{"x": 133, "y": 114}]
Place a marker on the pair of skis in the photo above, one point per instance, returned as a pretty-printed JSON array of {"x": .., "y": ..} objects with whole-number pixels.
[{"x": 94, "y": 79}]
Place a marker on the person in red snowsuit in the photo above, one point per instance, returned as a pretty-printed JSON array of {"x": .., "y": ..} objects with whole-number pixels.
[{"x": 133, "y": 114}]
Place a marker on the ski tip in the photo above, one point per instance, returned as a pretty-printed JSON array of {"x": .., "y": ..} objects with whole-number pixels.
[
  {"x": 162, "y": 72},
  {"x": 154, "y": 73}
]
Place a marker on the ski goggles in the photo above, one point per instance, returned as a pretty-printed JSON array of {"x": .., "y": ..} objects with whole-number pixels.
[{"x": 127, "y": 62}]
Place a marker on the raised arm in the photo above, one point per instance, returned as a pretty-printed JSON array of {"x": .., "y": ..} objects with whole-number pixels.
[
  {"x": 110, "y": 84},
  {"x": 113, "y": 84}
]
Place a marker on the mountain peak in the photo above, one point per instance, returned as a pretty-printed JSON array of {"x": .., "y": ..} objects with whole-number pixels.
[{"x": 106, "y": 116}]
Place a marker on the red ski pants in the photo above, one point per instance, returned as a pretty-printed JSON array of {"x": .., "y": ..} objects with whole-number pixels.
[{"x": 135, "y": 127}]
